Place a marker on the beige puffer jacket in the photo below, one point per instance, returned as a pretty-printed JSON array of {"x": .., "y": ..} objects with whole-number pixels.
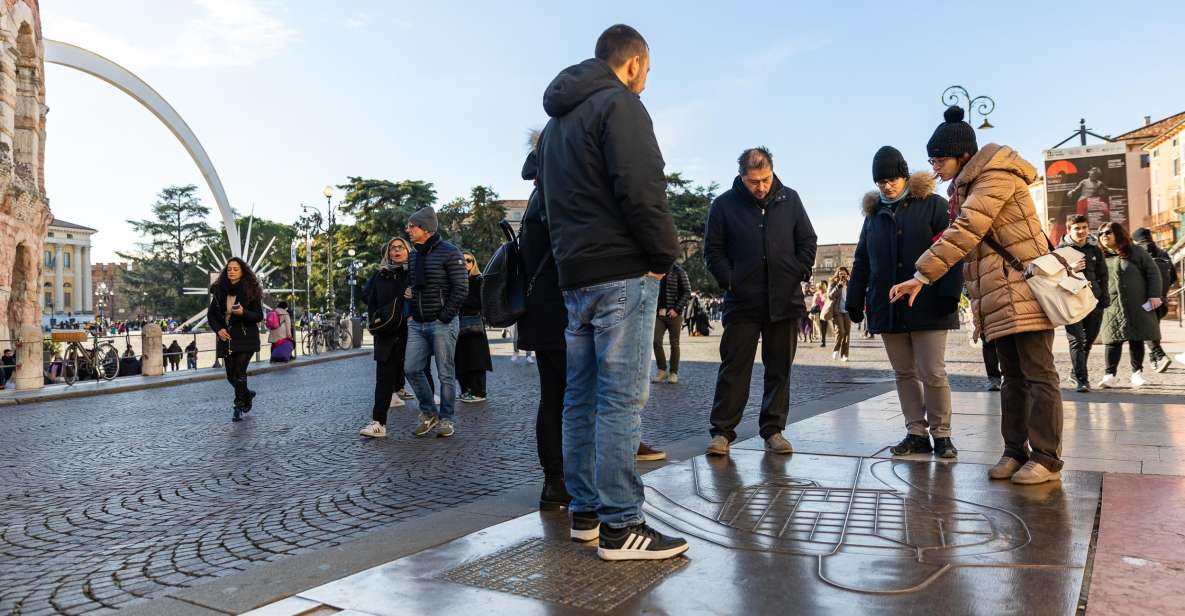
[{"x": 993, "y": 197}]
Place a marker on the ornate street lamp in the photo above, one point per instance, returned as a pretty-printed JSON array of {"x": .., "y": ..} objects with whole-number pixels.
[
  {"x": 328, "y": 192},
  {"x": 983, "y": 105}
]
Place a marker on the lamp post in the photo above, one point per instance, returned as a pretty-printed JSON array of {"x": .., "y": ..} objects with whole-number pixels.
[
  {"x": 352, "y": 269},
  {"x": 328, "y": 192},
  {"x": 983, "y": 105},
  {"x": 103, "y": 294}
]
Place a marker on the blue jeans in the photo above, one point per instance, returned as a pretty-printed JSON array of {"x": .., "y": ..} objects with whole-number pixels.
[
  {"x": 425, "y": 340},
  {"x": 609, "y": 334}
]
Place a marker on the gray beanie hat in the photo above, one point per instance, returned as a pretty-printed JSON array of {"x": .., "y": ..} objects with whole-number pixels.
[{"x": 425, "y": 218}]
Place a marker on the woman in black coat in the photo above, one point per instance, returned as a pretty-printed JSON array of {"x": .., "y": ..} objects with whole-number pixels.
[
  {"x": 541, "y": 330},
  {"x": 901, "y": 220},
  {"x": 234, "y": 314},
  {"x": 472, "y": 357},
  {"x": 384, "y": 300}
]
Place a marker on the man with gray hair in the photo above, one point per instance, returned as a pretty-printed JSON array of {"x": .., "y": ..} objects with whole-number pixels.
[{"x": 760, "y": 246}]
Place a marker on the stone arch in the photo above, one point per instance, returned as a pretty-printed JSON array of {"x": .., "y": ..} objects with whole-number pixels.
[
  {"x": 24, "y": 285},
  {"x": 28, "y": 121}
]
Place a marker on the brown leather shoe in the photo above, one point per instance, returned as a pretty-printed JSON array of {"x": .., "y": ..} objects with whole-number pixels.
[
  {"x": 646, "y": 453},
  {"x": 718, "y": 446}
]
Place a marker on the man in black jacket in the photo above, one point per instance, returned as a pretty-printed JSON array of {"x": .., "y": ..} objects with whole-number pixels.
[
  {"x": 437, "y": 286},
  {"x": 1168, "y": 278},
  {"x": 673, "y": 294},
  {"x": 760, "y": 246},
  {"x": 613, "y": 239},
  {"x": 1082, "y": 334}
]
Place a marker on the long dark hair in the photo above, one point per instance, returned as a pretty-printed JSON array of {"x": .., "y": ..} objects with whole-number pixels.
[
  {"x": 1123, "y": 241},
  {"x": 249, "y": 289}
]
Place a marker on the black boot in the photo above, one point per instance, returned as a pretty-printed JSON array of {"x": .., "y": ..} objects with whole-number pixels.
[
  {"x": 555, "y": 495},
  {"x": 250, "y": 401},
  {"x": 912, "y": 444},
  {"x": 238, "y": 416},
  {"x": 944, "y": 448}
]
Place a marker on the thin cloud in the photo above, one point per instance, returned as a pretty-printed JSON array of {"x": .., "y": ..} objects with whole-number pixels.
[
  {"x": 357, "y": 21},
  {"x": 224, "y": 33}
]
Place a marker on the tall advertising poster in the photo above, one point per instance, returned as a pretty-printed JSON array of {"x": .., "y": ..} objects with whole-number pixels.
[{"x": 1089, "y": 180}]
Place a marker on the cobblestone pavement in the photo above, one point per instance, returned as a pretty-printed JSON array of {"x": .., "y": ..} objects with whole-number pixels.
[{"x": 108, "y": 500}]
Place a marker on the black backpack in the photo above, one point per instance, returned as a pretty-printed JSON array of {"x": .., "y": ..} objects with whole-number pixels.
[{"x": 506, "y": 286}]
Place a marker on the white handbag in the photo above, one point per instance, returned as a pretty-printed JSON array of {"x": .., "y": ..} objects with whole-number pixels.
[{"x": 1065, "y": 295}]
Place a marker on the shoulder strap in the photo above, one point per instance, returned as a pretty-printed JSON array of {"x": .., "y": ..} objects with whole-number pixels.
[
  {"x": 1012, "y": 261},
  {"x": 538, "y": 270}
]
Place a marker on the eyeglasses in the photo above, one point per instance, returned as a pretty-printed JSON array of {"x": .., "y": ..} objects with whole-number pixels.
[
  {"x": 888, "y": 181},
  {"x": 1107, "y": 232},
  {"x": 469, "y": 260}
]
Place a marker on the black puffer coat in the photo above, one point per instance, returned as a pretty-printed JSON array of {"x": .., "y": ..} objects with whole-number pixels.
[
  {"x": 1096, "y": 268},
  {"x": 473, "y": 350},
  {"x": 760, "y": 253},
  {"x": 438, "y": 297},
  {"x": 542, "y": 327},
  {"x": 386, "y": 286},
  {"x": 243, "y": 328},
  {"x": 675, "y": 290},
  {"x": 891, "y": 240}
]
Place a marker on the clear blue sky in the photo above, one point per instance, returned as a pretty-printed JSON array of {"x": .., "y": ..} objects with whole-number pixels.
[{"x": 290, "y": 96}]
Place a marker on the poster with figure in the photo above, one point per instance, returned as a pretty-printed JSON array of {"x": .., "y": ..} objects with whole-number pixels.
[{"x": 1089, "y": 180}]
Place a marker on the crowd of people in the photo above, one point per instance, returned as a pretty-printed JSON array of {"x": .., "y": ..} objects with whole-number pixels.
[{"x": 598, "y": 304}]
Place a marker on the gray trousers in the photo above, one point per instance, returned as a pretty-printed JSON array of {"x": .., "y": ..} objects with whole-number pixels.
[
  {"x": 918, "y": 361},
  {"x": 662, "y": 327}
]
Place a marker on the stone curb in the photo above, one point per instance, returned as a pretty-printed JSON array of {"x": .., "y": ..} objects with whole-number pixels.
[{"x": 207, "y": 375}]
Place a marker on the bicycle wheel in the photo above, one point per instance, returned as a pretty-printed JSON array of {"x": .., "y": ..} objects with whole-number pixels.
[
  {"x": 106, "y": 361},
  {"x": 72, "y": 365},
  {"x": 317, "y": 343}
]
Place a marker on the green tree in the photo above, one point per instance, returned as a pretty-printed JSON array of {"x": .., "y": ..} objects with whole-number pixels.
[
  {"x": 173, "y": 237},
  {"x": 379, "y": 210},
  {"x": 473, "y": 223},
  {"x": 689, "y": 205}
]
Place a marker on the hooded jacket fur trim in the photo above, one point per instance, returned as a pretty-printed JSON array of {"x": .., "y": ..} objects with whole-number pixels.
[{"x": 920, "y": 185}]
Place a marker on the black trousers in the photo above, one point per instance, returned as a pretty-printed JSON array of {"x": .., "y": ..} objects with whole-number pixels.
[
  {"x": 553, "y": 380},
  {"x": 388, "y": 378},
  {"x": 1115, "y": 351},
  {"x": 473, "y": 381},
  {"x": 991, "y": 359},
  {"x": 738, "y": 349},
  {"x": 1082, "y": 336},
  {"x": 1030, "y": 401},
  {"x": 236, "y": 374}
]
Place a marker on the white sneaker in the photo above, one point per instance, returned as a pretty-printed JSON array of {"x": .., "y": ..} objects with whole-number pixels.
[
  {"x": 1138, "y": 379},
  {"x": 843, "y": 358},
  {"x": 835, "y": 355},
  {"x": 404, "y": 394},
  {"x": 374, "y": 429},
  {"x": 396, "y": 401},
  {"x": 530, "y": 358},
  {"x": 1107, "y": 383}
]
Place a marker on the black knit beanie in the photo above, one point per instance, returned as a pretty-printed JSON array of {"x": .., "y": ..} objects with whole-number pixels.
[
  {"x": 952, "y": 138},
  {"x": 888, "y": 163}
]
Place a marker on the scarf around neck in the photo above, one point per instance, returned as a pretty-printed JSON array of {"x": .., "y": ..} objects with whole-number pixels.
[
  {"x": 887, "y": 201},
  {"x": 421, "y": 257}
]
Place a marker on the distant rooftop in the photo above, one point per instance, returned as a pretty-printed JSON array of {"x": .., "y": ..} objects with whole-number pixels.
[
  {"x": 1152, "y": 130},
  {"x": 62, "y": 224}
]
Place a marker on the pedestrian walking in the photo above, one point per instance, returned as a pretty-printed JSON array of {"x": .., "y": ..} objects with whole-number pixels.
[
  {"x": 7, "y": 367},
  {"x": 541, "y": 330},
  {"x": 1168, "y": 278},
  {"x": 473, "y": 346},
  {"x": 173, "y": 355},
  {"x": 673, "y": 293},
  {"x": 1134, "y": 282},
  {"x": 995, "y": 218},
  {"x": 838, "y": 294},
  {"x": 387, "y": 309},
  {"x": 1081, "y": 335},
  {"x": 759, "y": 245},
  {"x": 613, "y": 239},
  {"x": 234, "y": 314},
  {"x": 821, "y": 315},
  {"x": 437, "y": 286},
  {"x": 901, "y": 219},
  {"x": 191, "y": 355}
]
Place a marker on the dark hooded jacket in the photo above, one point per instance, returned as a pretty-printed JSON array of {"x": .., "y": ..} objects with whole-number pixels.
[
  {"x": 760, "y": 252},
  {"x": 891, "y": 240},
  {"x": 602, "y": 180},
  {"x": 1164, "y": 264},
  {"x": 1096, "y": 268},
  {"x": 542, "y": 327}
]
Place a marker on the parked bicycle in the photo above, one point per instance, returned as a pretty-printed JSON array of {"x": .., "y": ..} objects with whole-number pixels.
[
  {"x": 101, "y": 361},
  {"x": 325, "y": 334}
]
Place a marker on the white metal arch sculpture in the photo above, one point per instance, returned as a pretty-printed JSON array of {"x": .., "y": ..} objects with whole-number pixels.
[{"x": 65, "y": 54}]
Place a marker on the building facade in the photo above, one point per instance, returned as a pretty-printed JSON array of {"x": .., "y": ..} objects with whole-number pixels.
[
  {"x": 66, "y": 277},
  {"x": 829, "y": 258},
  {"x": 1166, "y": 190},
  {"x": 24, "y": 209}
]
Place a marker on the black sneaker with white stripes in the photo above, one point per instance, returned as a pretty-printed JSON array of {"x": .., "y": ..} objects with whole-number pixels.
[
  {"x": 586, "y": 526},
  {"x": 638, "y": 543}
]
